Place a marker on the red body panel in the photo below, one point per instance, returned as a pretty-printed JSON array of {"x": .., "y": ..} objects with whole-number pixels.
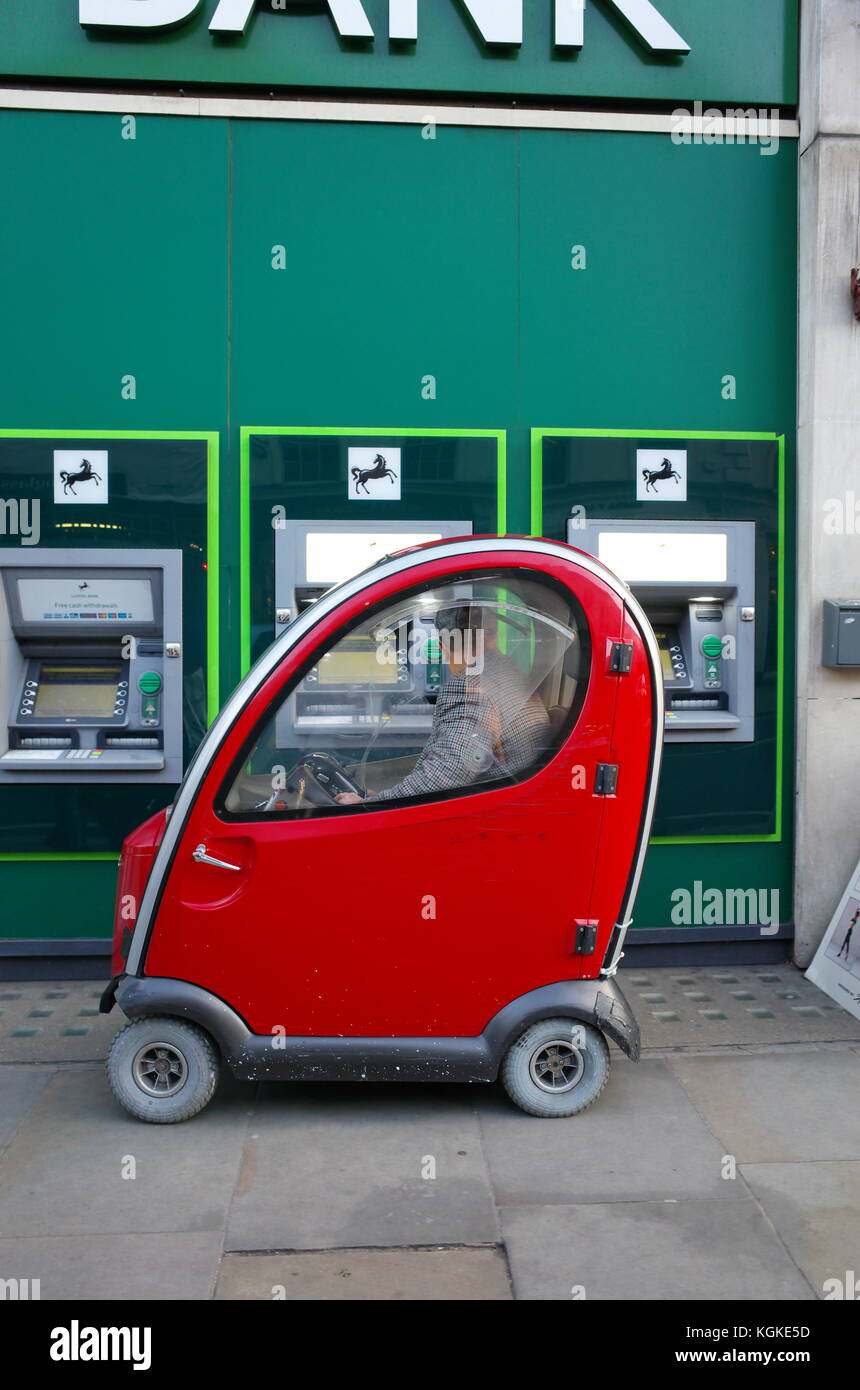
[
  {"x": 135, "y": 861},
  {"x": 422, "y": 920}
]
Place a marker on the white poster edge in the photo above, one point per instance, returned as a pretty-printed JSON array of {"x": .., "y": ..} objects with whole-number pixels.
[{"x": 827, "y": 974}]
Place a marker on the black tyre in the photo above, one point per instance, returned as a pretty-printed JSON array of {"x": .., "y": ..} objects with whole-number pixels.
[
  {"x": 557, "y": 1067},
  {"x": 162, "y": 1070}
]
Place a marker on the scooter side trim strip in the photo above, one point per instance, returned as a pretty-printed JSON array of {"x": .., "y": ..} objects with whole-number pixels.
[
  {"x": 305, "y": 623},
  {"x": 257, "y": 1057}
]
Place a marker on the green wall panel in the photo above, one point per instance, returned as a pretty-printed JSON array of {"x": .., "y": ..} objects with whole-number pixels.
[
  {"x": 114, "y": 263},
  {"x": 684, "y": 247},
  {"x": 401, "y": 262},
  {"x": 670, "y": 868},
  {"x": 57, "y": 899}
]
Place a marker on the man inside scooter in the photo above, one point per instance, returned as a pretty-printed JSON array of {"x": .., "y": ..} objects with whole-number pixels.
[{"x": 487, "y": 722}]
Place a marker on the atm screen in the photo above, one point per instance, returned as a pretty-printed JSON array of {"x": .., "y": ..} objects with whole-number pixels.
[
  {"x": 333, "y": 556},
  {"x": 356, "y": 665},
  {"x": 79, "y": 597},
  {"x": 659, "y": 557},
  {"x": 85, "y": 691}
]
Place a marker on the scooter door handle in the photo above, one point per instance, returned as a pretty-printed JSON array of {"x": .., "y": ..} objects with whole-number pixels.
[{"x": 201, "y": 857}]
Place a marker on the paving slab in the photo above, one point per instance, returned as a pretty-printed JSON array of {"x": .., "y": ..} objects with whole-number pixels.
[
  {"x": 778, "y": 1107},
  {"x": 687, "y": 1250},
  {"x": 343, "y": 1165},
  {"x": 20, "y": 1088},
  {"x": 643, "y": 1138},
  {"x": 116, "y": 1267},
  {"x": 749, "y": 1005},
  {"x": 55, "y": 1021},
  {"x": 62, "y": 1174},
  {"x": 363, "y": 1275},
  {"x": 816, "y": 1209}
]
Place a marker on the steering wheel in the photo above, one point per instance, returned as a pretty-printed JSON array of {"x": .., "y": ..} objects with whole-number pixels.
[{"x": 320, "y": 778}]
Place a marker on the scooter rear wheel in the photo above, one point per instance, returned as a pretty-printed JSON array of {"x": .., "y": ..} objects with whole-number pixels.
[
  {"x": 162, "y": 1070},
  {"x": 557, "y": 1067}
]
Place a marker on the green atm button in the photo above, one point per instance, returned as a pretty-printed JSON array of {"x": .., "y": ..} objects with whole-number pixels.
[
  {"x": 712, "y": 646},
  {"x": 149, "y": 683}
]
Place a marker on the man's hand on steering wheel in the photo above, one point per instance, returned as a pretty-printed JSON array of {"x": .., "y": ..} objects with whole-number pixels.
[{"x": 324, "y": 781}]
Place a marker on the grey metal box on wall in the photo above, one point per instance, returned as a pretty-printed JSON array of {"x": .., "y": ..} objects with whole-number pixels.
[{"x": 840, "y": 645}]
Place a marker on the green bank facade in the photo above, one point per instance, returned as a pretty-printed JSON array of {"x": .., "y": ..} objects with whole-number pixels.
[{"x": 504, "y": 261}]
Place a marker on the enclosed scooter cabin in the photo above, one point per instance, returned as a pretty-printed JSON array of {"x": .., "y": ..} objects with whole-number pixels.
[{"x": 409, "y": 846}]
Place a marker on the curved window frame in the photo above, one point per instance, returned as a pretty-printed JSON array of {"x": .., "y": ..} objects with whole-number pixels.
[{"x": 257, "y": 817}]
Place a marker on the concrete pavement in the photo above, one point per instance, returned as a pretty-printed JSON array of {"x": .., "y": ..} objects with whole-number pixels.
[{"x": 713, "y": 1170}]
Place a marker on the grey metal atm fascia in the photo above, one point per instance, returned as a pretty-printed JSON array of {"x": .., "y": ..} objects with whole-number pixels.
[
  {"x": 736, "y": 596},
  {"x": 290, "y": 552},
  {"x": 123, "y": 765}
]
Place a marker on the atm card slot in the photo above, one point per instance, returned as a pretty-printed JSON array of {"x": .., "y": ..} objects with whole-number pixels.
[
  {"x": 45, "y": 741},
  {"x": 701, "y": 719}
]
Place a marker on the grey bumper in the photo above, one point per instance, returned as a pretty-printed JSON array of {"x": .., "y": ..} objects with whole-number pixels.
[{"x": 255, "y": 1056}]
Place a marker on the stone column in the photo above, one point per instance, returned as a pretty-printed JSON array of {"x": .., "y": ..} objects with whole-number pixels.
[{"x": 828, "y": 702}]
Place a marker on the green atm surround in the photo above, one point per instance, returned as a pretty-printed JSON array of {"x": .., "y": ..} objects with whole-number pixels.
[
  {"x": 163, "y": 493},
  {"x": 303, "y": 470},
  {"x": 744, "y": 839}
]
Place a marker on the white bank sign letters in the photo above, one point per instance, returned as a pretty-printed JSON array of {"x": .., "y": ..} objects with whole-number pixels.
[{"x": 498, "y": 21}]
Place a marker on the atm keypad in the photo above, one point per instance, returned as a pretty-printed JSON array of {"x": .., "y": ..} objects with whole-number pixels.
[{"x": 679, "y": 665}]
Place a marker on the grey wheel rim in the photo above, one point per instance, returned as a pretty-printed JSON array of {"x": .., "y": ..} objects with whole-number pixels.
[
  {"x": 556, "y": 1066},
  {"x": 160, "y": 1069}
]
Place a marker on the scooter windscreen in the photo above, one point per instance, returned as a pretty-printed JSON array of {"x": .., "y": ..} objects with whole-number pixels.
[{"x": 457, "y": 686}]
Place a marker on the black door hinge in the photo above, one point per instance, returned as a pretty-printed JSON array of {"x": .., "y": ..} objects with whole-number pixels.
[
  {"x": 584, "y": 938},
  {"x": 606, "y": 779},
  {"x": 621, "y": 658}
]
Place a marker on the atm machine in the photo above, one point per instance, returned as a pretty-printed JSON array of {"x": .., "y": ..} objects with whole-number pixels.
[
  {"x": 90, "y": 666},
  {"x": 696, "y": 582},
  {"x": 350, "y": 695}
]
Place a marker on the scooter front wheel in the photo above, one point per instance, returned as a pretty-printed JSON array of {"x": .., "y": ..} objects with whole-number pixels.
[
  {"x": 557, "y": 1067},
  {"x": 162, "y": 1070}
]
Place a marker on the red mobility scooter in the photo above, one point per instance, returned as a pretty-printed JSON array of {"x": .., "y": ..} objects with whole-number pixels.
[{"x": 409, "y": 846}]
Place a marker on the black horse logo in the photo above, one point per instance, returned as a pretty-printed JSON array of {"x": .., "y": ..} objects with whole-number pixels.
[
  {"x": 659, "y": 475},
  {"x": 85, "y": 474},
  {"x": 380, "y": 469}
]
